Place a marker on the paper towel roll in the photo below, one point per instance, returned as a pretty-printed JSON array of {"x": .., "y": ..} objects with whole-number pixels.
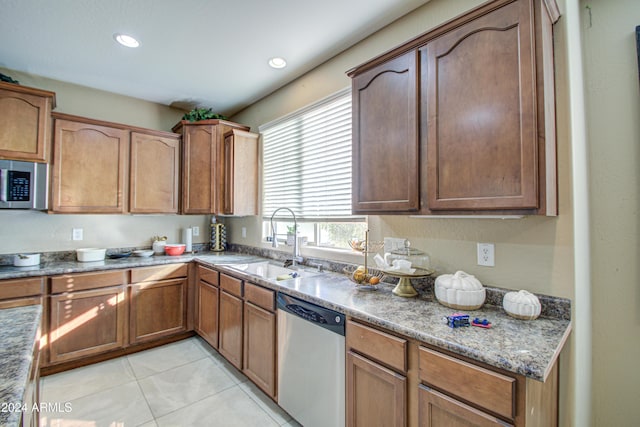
[{"x": 187, "y": 239}]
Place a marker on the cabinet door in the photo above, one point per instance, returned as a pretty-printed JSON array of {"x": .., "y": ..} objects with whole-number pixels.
[
  {"x": 437, "y": 409},
  {"x": 157, "y": 309},
  {"x": 375, "y": 395},
  {"x": 260, "y": 347},
  {"x": 154, "y": 174},
  {"x": 86, "y": 322},
  {"x": 385, "y": 137},
  {"x": 199, "y": 169},
  {"x": 240, "y": 186},
  {"x": 231, "y": 328},
  {"x": 89, "y": 168},
  {"x": 24, "y": 123},
  {"x": 479, "y": 99},
  {"x": 207, "y": 320}
]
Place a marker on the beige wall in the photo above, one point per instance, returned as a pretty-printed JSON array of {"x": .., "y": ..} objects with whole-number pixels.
[
  {"x": 534, "y": 253},
  {"x": 613, "y": 125},
  {"x": 28, "y": 231}
]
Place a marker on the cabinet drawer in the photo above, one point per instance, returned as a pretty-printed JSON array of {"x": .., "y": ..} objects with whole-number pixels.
[
  {"x": 231, "y": 285},
  {"x": 210, "y": 276},
  {"x": 385, "y": 348},
  {"x": 260, "y": 296},
  {"x": 20, "y": 288},
  {"x": 438, "y": 409},
  {"x": 160, "y": 272},
  {"x": 488, "y": 389},
  {"x": 84, "y": 281}
]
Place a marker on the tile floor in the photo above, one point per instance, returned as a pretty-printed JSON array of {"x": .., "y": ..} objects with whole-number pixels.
[{"x": 185, "y": 383}]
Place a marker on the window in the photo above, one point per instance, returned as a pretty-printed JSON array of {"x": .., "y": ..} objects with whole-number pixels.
[{"x": 307, "y": 168}]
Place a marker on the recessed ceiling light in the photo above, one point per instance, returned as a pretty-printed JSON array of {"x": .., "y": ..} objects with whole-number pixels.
[
  {"x": 126, "y": 40},
  {"x": 277, "y": 62}
]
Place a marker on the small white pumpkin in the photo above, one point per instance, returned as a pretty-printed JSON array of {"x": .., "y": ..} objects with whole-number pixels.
[
  {"x": 522, "y": 305},
  {"x": 460, "y": 291}
]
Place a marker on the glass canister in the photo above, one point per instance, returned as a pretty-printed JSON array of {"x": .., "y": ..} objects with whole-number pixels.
[{"x": 418, "y": 258}]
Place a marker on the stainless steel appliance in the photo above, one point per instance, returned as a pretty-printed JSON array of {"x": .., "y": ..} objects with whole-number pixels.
[
  {"x": 23, "y": 185},
  {"x": 311, "y": 362}
]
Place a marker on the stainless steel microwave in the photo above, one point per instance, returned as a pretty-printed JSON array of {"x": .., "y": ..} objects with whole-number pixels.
[{"x": 23, "y": 185}]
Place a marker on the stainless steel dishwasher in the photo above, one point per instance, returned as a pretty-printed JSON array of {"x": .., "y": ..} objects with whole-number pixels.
[{"x": 311, "y": 377}]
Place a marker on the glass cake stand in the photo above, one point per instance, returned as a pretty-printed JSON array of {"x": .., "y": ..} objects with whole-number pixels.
[{"x": 404, "y": 288}]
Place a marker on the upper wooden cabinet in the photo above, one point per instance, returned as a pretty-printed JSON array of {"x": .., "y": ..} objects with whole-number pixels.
[
  {"x": 385, "y": 137},
  {"x": 240, "y": 185},
  {"x": 89, "y": 169},
  {"x": 25, "y": 122},
  {"x": 102, "y": 167},
  {"x": 485, "y": 90},
  {"x": 202, "y": 164},
  {"x": 154, "y": 172}
]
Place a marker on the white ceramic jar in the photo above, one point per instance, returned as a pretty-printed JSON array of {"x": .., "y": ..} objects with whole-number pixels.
[
  {"x": 460, "y": 291},
  {"x": 522, "y": 305},
  {"x": 158, "y": 246}
]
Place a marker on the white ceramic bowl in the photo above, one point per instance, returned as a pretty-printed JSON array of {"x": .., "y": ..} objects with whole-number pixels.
[
  {"x": 142, "y": 253},
  {"x": 90, "y": 254},
  {"x": 26, "y": 260}
]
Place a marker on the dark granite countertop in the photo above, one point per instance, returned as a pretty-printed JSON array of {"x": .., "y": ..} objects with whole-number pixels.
[
  {"x": 528, "y": 348},
  {"x": 18, "y": 329}
]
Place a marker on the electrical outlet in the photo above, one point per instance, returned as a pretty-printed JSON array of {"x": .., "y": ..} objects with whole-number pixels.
[
  {"x": 195, "y": 231},
  {"x": 244, "y": 232},
  {"x": 486, "y": 254},
  {"x": 76, "y": 234}
]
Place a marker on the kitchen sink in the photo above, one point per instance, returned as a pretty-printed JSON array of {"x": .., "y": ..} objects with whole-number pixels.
[{"x": 269, "y": 271}]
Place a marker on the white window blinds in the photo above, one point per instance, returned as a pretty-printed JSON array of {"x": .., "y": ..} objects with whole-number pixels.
[{"x": 307, "y": 160}]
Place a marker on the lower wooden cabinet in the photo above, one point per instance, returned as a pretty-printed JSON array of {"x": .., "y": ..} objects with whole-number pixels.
[
  {"x": 231, "y": 314},
  {"x": 158, "y": 304},
  {"x": 207, "y": 298},
  {"x": 86, "y": 322},
  {"x": 396, "y": 381},
  {"x": 437, "y": 409},
  {"x": 375, "y": 395},
  {"x": 260, "y": 344}
]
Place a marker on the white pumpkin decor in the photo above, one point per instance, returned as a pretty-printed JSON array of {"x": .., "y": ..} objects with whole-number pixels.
[
  {"x": 522, "y": 305},
  {"x": 460, "y": 291}
]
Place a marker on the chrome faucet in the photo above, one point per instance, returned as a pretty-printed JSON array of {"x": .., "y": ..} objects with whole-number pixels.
[{"x": 274, "y": 239}]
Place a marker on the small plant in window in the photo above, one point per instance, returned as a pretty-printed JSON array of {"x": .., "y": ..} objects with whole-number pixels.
[{"x": 291, "y": 234}]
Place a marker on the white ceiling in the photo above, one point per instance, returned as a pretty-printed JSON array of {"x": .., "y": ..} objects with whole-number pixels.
[{"x": 209, "y": 53}]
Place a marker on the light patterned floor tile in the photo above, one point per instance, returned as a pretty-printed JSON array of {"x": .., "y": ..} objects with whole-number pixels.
[
  {"x": 121, "y": 406},
  {"x": 181, "y": 386},
  {"x": 232, "y": 407},
  {"x": 79, "y": 382},
  {"x": 267, "y": 405},
  {"x": 168, "y": 356}
]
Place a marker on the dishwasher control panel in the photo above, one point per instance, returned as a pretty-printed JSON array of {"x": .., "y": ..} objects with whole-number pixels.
[{"x": 323, "y": 317}]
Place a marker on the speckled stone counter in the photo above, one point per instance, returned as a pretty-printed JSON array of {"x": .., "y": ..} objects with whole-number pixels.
[
  {"x": 18, "y": 330},
  {"x": 529, "y": 348},
  {"x": 52, "y": 268}
]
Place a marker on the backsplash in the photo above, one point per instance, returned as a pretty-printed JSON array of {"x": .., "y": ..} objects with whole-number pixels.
[{"x": 554, "y": 307}]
